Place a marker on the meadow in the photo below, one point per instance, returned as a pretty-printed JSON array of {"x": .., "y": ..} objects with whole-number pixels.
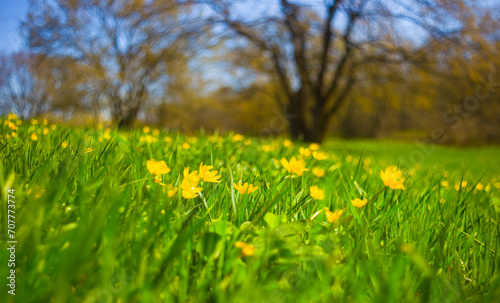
[{"x": 145, "y": 215}]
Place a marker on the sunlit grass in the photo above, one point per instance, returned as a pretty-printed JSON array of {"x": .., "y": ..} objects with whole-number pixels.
[{"x": 94, "y": 224}]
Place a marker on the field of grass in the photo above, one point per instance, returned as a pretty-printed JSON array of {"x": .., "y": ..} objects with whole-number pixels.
[{"x": 95, "y": 223}]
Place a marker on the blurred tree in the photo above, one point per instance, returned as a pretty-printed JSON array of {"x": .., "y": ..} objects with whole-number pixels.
[
  {"x": 21, "y": 90},
  {"x": 124, "y": 52},
  {"x": 318, "y": 51}
]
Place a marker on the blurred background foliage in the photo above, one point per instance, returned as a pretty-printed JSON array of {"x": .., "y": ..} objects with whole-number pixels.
[{"x": 309, "y": 69}]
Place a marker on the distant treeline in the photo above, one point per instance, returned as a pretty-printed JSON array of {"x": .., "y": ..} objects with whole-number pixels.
[{"x": 309, "y": 69}]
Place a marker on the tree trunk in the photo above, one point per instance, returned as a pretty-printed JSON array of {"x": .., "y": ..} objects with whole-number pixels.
[
  {"x": 296, "y": 116},
  {"x": 315, "y": 130},
  {"x": 127, "y": 117}
]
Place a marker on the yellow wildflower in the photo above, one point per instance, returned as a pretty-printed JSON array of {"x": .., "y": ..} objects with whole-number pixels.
[
  {"x": 34, "y": 137},
  {"x": 287, "y": 143},
  {"x": 267, "y": 148},
  {"x": 106, "y": 136},
  {"x": 245, "y": 188},
  {"x": 186, "y": 146},
  {"x": 157, "y": 167},
  {"x": 319, "y": 155},
  {"x": 317, "y": 193},
  {"x": 12, "y": 126},
  {"x": 359, "y": 203},
  {"x": 88, "y": 150},
  {"x": 445, "y": 184},
  {"x": 458, "y": 186},
  {"x": 12, "y": 116},
  {"x": 333, "y": 217},
  {"x": 171, "y": 190},
  {"x": 45, "y": 131},
  {"x": 314, "y": 146},
  {"x": 246, "y": 249},
  {"x": 237, "y": 137},
  {"x": 64, "y": 144},
  {"x": 189, "y": 184},
  {"x": 318, "y": 172},
  {"x": 306, "y": 152},
  {"x": 45, "y": 122},
  {"x": 207, "y": 175},
  {"x": 156, "y": 132},
  {"x": 479, "y": 186},
  {"x": 294, "y": 166},
  {"x": 392, "y": 178},
  {"x": 146, "y": 129},
  {"x": 34, "y": 121}
]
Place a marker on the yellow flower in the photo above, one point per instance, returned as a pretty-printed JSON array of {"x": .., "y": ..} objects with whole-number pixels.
[
  {"x": 45, "y": 131},
  {"x": 319, "y": 156},
  {"x": 34, "y": 121},
  {"x": 186, "y": 146},
  {"x": 45, "y": 122},
  {"x": 53, "y": 127},
  {"x": 316, "y": 193},
  {"x": 359, "y": 203},
  {"x": 156, "y": 132},
  {"x": 246, "y": 249},
  {"x": 88, "y": 150},
  {"x": 245, "y": 188},
  {"x": 479, "y": 186},
  {"x": 34, "y": 137},
  {"x": 12, "y": 126},
  {"x": 445, "y": 183},
  {"x": 171, "y": 190},
  {"x": 14, "y": 135},
  {"x": 392, "y": 178},
  {"x": 306, "y": 152},
  {"x": 167, "y": 139},
  {"x": 237, "y": 137},
  {"x": 157, "y": 167},
  {"x": 294, "y": 166},
  {"x": 12, "y": 116},
  {"x": 146, "y": 129},
  {"x": 267, "y": 148},
  {"x": 287, "y": 143},
  {"x": 189, "y": 184},
  {"x": 64, "y": 144},
  {"x": 318, "y": 172},
  {"x": 333, "y": 217},
  {"x": 207, "y": 175},
  {"x": 458, "y": 186},
  {"x": 106, "y": 136},
  {"x": 314, "y": 146},
  {"x": 348, "y": 158}
]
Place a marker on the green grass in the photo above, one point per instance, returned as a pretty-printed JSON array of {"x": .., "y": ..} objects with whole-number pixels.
[{"x": 96, "y": 227}]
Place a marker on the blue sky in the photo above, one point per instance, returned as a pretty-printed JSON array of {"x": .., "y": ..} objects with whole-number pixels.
[{"x": 11, "y": 13}]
